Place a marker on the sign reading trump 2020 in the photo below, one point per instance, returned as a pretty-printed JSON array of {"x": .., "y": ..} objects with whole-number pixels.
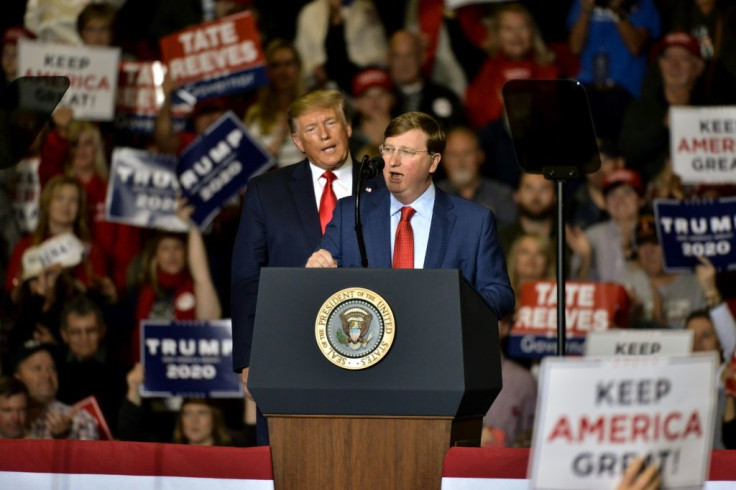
[
  {"x": 217, "y": 165},
  {"x": 691, "y": 229},
  {"x": 703, "y": 144},
  {"x": 216, "y": 58},
  {"x": 188, "y": 358},
  {"x": 142, "y": 190},
  {"x": 92, "y": 72},
  {"x": 589, "y": 307},
  {"x": 595, "y": 416}
]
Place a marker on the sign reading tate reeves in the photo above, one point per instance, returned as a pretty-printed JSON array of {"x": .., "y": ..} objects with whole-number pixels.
[
  {"x": 216, "y": 58},
  {"x": 687, "y": 230},
  {"x": 703, "y": 144},
  {"x": 189, "y": 358},
  {"x": 590, "y": 306},
  {"x": 217, "y": 165},
  {"x": 595, "y": 416},
  {"x": 93, "y": 73}
]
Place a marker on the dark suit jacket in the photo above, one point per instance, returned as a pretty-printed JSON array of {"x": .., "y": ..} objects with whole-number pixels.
[
  {"x": 279, "y": 227},
  {"x": 462, "y": 236}
]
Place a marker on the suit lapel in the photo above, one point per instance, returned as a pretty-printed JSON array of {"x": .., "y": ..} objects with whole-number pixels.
[
  {"x": 440, "y": 231},
  {"x": 302, "y": 192},
  {"x": 377, "y": 228}
]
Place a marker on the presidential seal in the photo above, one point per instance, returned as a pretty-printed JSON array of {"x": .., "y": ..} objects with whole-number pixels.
[{"x": 354, "y": 328}]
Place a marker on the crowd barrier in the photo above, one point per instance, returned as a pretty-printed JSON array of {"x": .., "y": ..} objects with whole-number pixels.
[
  {"x": 92, "y": 465},
  {"x": 506, "y": 469}
]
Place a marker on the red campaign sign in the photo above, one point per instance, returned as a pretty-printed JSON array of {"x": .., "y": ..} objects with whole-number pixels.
[
  {"x": 589, "y": 306},
  {"x": 213, "y": 49},
  {"x": 140, "y": 87},
  {"x": 91, "y": 406}
]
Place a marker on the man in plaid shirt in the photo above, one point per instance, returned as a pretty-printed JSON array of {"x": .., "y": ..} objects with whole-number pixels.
[{"x": 49, "y": 418}]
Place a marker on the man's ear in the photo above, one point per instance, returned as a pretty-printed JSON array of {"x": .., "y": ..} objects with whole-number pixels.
[
  {"x": 297, "y": 141},
  {"x": 436, "y": 157}
]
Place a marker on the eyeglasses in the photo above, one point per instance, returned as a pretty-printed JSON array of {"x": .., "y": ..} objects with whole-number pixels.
[{"x": 403, "y": 152}]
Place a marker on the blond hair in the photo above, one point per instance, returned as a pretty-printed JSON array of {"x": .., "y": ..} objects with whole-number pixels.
[
  {"x": 42, "y": 230},
  {"x": 76, "y": 129},
  {"x": 319, "y": 99},
  {"x": 542, "y": 55},
  {"x": 266, "y": 110},
  {"x": 544, "y": 244}
]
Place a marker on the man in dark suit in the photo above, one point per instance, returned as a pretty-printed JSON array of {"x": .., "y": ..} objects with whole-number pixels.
[
  {"x": 415, "y": 225},
  {"x": 285, "y": 211}
]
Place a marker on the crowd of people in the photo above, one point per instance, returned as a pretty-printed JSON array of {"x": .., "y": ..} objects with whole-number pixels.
[{"x": 70, "y": 333}]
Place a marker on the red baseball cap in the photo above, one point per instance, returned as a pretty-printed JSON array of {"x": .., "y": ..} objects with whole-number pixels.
[
  {"x": 682, "y": 39},
  {"x": 623, "y": 176},
  {"x": 372, "y": 77}
]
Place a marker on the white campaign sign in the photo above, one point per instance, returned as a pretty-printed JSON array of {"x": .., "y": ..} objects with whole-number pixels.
[
  {"x": 595, "y": 416},
  {"x": 65, "y": 249},
  {"x": 703, "y": 144},
  {"x": 629, "y": 342},
  {"x": 92, "y": 71}
]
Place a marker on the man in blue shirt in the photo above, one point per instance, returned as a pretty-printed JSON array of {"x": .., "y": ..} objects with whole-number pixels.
[{"x": 412, "y": 224}]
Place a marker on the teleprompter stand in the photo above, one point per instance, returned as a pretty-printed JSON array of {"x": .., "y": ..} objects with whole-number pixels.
[
  {"x": 387, "y": 426},
  {"x": 553, "y": 135}
]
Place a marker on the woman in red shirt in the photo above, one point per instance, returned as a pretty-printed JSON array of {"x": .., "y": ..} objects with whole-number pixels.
[
  {"x": 514, "y": 50},
  {"x": 75, "y": 148},
  {"x": 62, "y": 210}
]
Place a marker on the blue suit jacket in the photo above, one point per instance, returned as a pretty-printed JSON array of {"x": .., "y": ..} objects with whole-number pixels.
[
  {"x": 462, "y": 236},
  {"x": 279, "y": 227}
]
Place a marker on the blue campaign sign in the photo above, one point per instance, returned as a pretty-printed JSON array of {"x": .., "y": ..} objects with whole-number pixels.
[
  {"x": 188, "y": 358},
  {"x": 217, "y": 166},
  {"x": 687, "y": 230},
  {"x": 142, "y": 190}
]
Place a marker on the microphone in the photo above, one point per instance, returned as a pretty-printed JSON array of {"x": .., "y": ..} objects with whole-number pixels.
[{"x": 371, "y": 167}]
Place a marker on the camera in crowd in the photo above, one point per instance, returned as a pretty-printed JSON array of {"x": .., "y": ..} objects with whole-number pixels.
[{"x": 626, "y": 5}]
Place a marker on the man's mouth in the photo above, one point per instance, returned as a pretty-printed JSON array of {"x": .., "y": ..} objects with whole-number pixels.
[
  {"x": 330, "y": 149},
  {"x": 396, "y": 177}
]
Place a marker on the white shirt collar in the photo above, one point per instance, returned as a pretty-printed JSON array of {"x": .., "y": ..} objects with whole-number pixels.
[
  {"x": 423, "y": 205},
  {"x": 342, "y": 173}
]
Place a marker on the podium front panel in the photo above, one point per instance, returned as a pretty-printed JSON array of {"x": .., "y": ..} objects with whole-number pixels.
[{"x": 444, "y": 360}]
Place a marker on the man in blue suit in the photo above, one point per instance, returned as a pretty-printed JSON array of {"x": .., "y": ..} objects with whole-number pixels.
[
  {"x": 413, "y": 224},
  {"x": 285, "y": 212}
]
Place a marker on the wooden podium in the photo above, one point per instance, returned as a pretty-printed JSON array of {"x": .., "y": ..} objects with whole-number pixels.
[{"x": 389, "y": 425}]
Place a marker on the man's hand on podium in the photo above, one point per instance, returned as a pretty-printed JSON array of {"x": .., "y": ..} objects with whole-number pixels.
[
  {"x": 244, "y": 379},
  {"x": 321, "y": 259}
]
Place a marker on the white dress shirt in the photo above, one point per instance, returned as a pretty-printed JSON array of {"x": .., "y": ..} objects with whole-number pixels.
[
  {"x": 420, "y": 223},
  {"x": 342, "y": 185}
]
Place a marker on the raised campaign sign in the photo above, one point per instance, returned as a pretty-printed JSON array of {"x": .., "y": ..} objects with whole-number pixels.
[
  {"x": 595, "y": 416},
  {"x": 188, "y": 358},
  {"x": 217, "y": 165},
  {"x": 64, "y": 249},
  {"x": 216, "y": 58},
  {"x": 92, "y": 71},
  {"x": 590, "y": 306},
  {"x": 703, "y": 144},
  {"x": 689, "y": 229},
  {"x": 639, "y": 342},
  {"x": 140, "y": 97},
  {"x": 142, "y": 190}
]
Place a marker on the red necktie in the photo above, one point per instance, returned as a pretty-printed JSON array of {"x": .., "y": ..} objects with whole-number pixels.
[
  {"x": 328, "y": 201},
  {"x": 404, "y": 242}
]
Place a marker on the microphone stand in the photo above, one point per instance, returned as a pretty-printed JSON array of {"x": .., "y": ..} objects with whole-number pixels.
[{"x": 368, "y": 169}]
